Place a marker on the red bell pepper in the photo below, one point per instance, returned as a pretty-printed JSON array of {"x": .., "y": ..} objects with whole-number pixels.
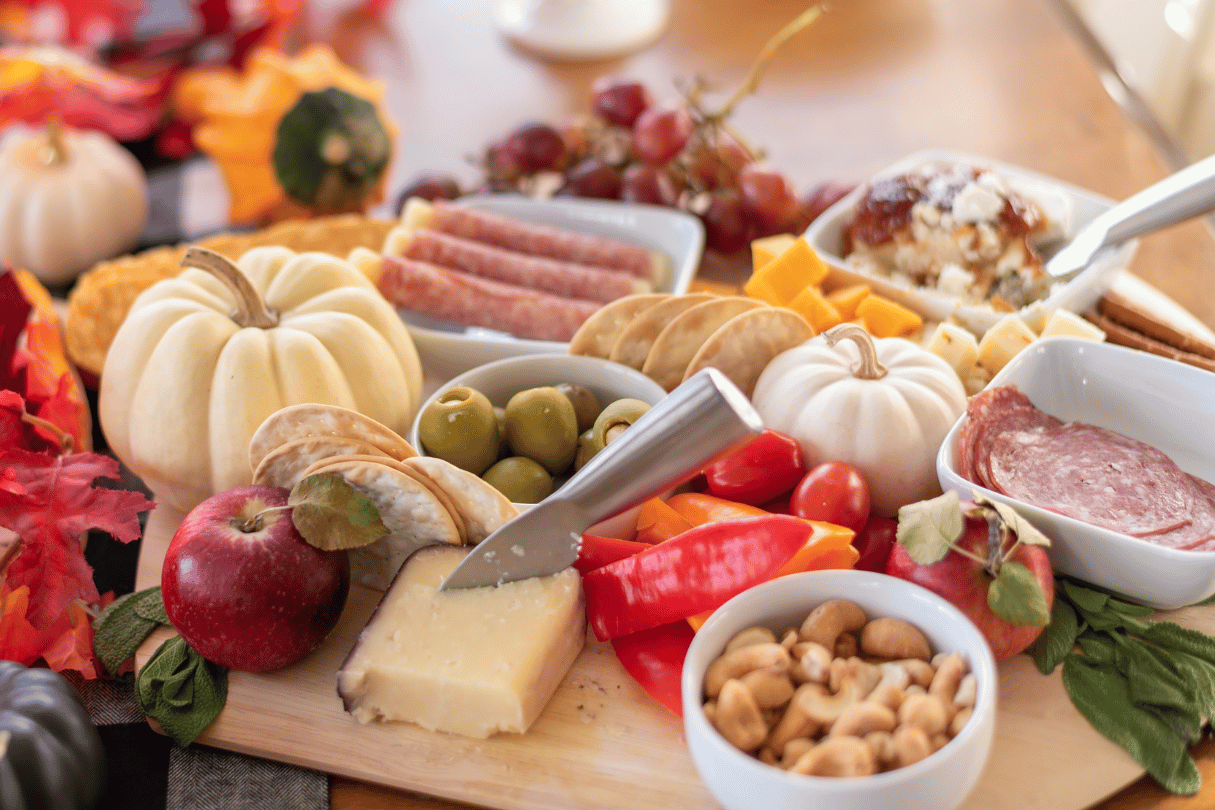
[
  {"x": 596, "y": 552},
  {"x": 697, "y": 571},
  {"x": 767, "y": 466},
  {"x": 654, "y": 658}
]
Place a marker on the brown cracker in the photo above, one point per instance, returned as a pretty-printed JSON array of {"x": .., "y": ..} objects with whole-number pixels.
[
  {"x": 633, "y": 345},
  {"x": 483, "y": 508},
  {"x": 311, "y": 419},
  {"x": 599, "y": 332},
  {"x": 745, "y": 344},
  {"x": 679, "y": 341}
]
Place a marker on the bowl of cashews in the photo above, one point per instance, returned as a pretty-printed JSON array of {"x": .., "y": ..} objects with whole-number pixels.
[{"x": 842, "y": 689}]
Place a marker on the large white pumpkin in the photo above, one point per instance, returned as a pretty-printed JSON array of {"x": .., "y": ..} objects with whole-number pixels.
[
  {"x": 68, "y": 199},
  {"x": 202, "y": 359},
  {"x": 882, "y": 405}
]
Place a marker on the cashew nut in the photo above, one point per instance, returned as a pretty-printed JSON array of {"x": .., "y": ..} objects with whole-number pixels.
[
  {"x": 824, "y": 707},
  {"x": 894, "y": 638},
  {"x": 861, "y": 718},
  {"x": 794, "y": 750},
  {"x": 945, "y": 683},
  {"x": 739, "y": 662},
  {"x": 921, "y": 672},
  {"x": 959, "y": 721},
  {"x": 767, "y": 756},
  {"x": 925, "y": 712},
  {"x": 813, "y": 662},
  {"x": 710, "y": 710},
  {"x": 738, "y": 717},
  {"x": 867, "y": 675},
  {"x": 890, "y": 689},
  {"x": 750, "y": 636},
  {"x": 770, "y": 686},
  {"x": 837, "y": 756},
  {"x": 828, "y": 620},
  {"x": 908, "y": 744},
  {"x": 968, "y": 691},
  {"x": 795, "y": 723},
  {"x": 789, "y": 639},
  {"x": 879, "y": 744},
  {"x": 846, "y": 645},
  {"x": 939, "y": 741}
]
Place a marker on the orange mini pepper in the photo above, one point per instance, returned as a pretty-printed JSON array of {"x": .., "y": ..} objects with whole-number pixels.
[
  {"x": 657, "y": 521},
  {"x": 699, "y": 507}
]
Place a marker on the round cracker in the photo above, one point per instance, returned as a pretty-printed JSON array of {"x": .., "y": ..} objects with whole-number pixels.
[
  {"x": 635, "y": 340},
  {"x": 598, "y": 333},
  {"x": 413, "y": 515},
  {"x": 483, "y": 508},
  {"x": 745, "y": 344},
  {"x": 284, "y": 466},
  {"x": 316, "y": 419},
  {"x": 679, "y": 341}
]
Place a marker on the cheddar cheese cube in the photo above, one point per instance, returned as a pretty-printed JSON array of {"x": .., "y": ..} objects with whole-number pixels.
[
  {"x": 885, "y": 318},
  {"x": 812, "y": 305},
  {"x": 767, "y": 248},
  {"x": 845, "y": 299},
  {"x": 788, "y": 274}
]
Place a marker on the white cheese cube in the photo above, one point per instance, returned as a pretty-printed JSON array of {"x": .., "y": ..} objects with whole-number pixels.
[
  {"x": 955, "y": 345},
  {"x": 368, "y": 261},
  {"x": 472, "y": 662},
  {"x": 1002, "y": 341},
  {"x": 1069, "y": 324}
]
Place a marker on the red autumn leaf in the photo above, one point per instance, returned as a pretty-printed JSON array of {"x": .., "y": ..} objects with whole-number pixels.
[
  {"x": 70, "y": 643},
  {"x": 14, "y": 313},
  {"x": 58, "y": 505},
  {"x": 19, "y": 641}
]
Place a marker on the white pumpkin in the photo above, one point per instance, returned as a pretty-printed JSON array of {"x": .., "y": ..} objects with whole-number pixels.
[
  {"x": 881, "y": 405},
  {"x": 68, "y": 199},
  {"x": 202, "y": 359}
]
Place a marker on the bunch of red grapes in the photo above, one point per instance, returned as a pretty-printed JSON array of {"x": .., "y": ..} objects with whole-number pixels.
[{"x": 634, "y": 150}]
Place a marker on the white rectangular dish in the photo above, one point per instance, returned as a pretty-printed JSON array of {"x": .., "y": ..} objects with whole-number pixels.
[
  {"x": 1069, "y": 207},
  {"x": 447, "y": 349},
  {"x": 1163, "y": 403}
]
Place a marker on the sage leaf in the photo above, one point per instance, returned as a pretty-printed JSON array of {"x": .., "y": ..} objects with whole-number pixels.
[
  {"x": 332, "y": 515},
  {"x": 150, "y": 605},
  {"x": 1151, "y": 679},
  {"x": 1016, "y": 597},
  {"x": 120, "y": 628},
  {"x": 928, "y": 529},
  {"x": 181, "y": 690},
  {"x": 1100, "y": 694},
  {"x": 1191, "y": 642},
  {"x": 1087, "y": 599},
  {"x": 1058, "y": 639},
  {"x": 1026, "y": 532}
]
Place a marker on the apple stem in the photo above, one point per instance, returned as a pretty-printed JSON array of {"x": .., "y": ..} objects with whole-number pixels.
[{"x": 255, "y": 523}]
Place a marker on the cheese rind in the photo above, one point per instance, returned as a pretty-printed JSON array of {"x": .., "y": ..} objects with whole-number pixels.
[{"x": 473, "y": 662}]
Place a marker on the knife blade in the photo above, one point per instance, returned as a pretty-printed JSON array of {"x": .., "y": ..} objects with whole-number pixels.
[{"x": 702, "y": 418}]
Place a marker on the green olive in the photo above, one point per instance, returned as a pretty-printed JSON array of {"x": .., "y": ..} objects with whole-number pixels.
[
  {"x": 541, "y": 424},
  {"x": 459, "y": 426},
  {"x": 587, "y": 448},
  {"x": 615, "y": 418},
  {"x": 503, "y": 446},
  {"x": 520, "y": 479},
  {"x": 585, "y": 403}
]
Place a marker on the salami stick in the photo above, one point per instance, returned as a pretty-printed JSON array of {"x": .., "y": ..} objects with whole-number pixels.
[
  {"x": 537, "y": 272},
  {"x": 540, "y": 240},
  {"x": 460, "y": 298}
]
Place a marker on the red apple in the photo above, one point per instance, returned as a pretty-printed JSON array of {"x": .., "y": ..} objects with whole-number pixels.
[
  {"x": 965, "y": 581},
  {"x": 244, "y": 589}
]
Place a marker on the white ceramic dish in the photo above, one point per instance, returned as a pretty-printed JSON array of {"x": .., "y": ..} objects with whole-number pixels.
[
  {"x": 1166, "y": 404},
  {"x": 741, "y": 782},
  {"x": 501, "y": 379},
  {"x": 1071, "y": 207},
  {"x": 448, "y": 349}
]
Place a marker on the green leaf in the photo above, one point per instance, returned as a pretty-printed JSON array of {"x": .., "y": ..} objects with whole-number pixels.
[
  {"x": 150, "y": 605},
  {"x": 181, "y": 690},
  {"x": 1026, "y": 532},
  {"x": 1152, "y": 679},
  {"x": 1087, "y": 599},
  {"x": 1058, "y": 639},
  {"x": 1101, "y": 695},
  {"x": 1016, "y": 597},
  {"x": 332, "y": 515},
  {"x": 121, "y": 627},
  {"x": 928, "y": 529},
  {"x": 1174, "y": 636},
  {"x": 1130, "y": 608}
]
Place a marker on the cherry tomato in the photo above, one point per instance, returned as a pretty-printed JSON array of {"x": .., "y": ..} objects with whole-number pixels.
[
  {"x": 874, "y": 542},
  {"x": 834, "y": 492}
]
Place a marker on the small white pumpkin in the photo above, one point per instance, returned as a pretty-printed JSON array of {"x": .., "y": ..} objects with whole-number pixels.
[
  {"x": 882, "y": 405},
  {"x": 68, "y": 199},
  {"x": 202, "y": 359}
]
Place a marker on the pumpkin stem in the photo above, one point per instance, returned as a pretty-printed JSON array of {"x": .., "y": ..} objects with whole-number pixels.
[
  {"x": 54, "y": 152},
  {"x": 251, "y": 310},
  {"x": 869, "y": 368}
]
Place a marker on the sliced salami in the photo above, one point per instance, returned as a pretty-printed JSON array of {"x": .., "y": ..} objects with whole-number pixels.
[
  {"x": 1094, "y": 475},
  {"x": 978, "y": 409},
  {"x": 460, "y": 298},
  {"x": 1016, "y": 425},
  {"x": 541, "y": 240},
  {"x": 511, "y": 267}
]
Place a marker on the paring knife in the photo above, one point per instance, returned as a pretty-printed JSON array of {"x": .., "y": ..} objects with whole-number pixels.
[{"x": 702, "y": 418}]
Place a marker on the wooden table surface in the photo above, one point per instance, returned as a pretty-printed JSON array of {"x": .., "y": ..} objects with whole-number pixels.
[{"x": 868, "y": 83}]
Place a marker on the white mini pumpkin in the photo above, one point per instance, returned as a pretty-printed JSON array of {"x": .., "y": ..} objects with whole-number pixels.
[
  {"x": 882, "y": 405},
  {"x": 68, "y": 199},
  {"x": 202, "y": 359}
]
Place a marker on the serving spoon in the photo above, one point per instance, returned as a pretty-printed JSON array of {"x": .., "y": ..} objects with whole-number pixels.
[{"x": 1178, "y": 197}]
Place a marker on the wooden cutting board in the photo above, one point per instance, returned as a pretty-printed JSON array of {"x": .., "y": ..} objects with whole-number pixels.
[{"x": 602, "y": 742}]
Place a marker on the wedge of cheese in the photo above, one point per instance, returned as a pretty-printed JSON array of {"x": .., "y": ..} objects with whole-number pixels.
[{"x": 473, "y": 662}]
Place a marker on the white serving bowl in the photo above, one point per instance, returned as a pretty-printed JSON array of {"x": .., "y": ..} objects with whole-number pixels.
[
  {"x": 1161, "y": 402},
  {"x": 502, "y": 379},
  {"x": 741, "y": 782},
  {"x": 447, "y": 349},
  {"x": 1069, "y": 206}
]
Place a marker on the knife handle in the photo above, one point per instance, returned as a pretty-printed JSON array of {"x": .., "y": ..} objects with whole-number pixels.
[{"x": 703, "y": 417}]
